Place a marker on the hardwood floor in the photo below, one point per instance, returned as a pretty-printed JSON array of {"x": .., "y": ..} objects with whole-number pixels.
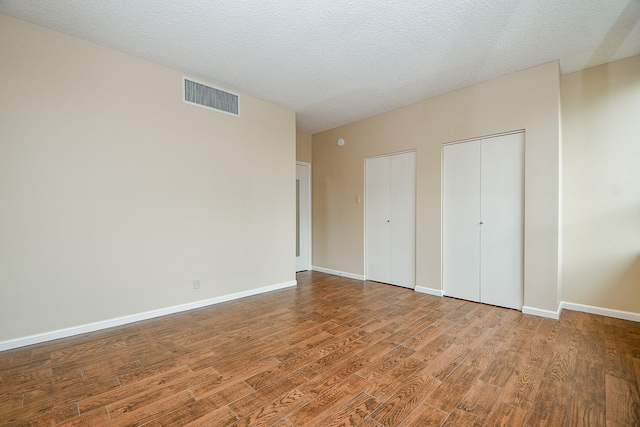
[{"x": 333, "y": 352}]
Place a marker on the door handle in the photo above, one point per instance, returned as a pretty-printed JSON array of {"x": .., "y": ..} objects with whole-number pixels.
[{"x": 481, "y": 222}]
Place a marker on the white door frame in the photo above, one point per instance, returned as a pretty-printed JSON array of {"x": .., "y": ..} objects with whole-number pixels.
[{"x": 308, "y": 205}]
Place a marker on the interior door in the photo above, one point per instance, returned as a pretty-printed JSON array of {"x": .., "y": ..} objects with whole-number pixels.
[
  {"x": 390, "y": 225},
  {"x": 402, "y": 239},
  {"x": 461, "y": 221},
  {"x": 483, "y": 220},
  {"x": 303, "y": 217},
  {"x": 377, "y": 218},
  {"x": 502, "y": 239}
]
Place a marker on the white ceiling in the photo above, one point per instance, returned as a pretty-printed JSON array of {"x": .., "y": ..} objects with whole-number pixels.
[{"x": 337, "y": 61}]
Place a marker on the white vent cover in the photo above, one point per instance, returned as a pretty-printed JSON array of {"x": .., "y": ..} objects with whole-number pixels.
[{"x": 203, "y": 95}]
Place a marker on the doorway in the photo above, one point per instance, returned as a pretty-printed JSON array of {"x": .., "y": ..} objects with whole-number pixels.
[{"x": 303, "y": 216}]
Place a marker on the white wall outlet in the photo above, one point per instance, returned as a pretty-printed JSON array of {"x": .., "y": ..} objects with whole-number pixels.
[{"x": 196, "y": 283}]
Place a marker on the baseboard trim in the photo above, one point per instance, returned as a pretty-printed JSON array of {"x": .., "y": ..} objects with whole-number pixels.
[
  {"x": 430, "y": 291},
  {"x": 542, "y": 312},
  {"x": 91, "y": 327},
  {"x": 338, "y": 273},
  {"x": 617, "y": 314}
]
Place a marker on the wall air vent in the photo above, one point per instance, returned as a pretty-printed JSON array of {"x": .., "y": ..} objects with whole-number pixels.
[{"x": 203, "y": 95}]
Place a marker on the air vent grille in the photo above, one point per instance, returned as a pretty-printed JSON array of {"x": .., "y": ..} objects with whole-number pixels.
[{"x": 207, "y": 96}]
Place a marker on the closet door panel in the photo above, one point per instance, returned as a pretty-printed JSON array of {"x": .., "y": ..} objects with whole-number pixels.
[
  {"x": 377, "y": 218},
  {"x": 502, "y": 210},
  {"x": 402, "y": 219},
  {"x": 461, "y": 221}
]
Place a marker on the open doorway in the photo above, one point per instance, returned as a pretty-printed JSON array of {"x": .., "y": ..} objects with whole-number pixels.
[{"x": 303, "y": 216}]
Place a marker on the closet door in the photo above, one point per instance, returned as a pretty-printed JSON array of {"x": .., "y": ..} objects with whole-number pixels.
[
  {"x": 402, "y": 220},
  {"x": 461, "y": 221},
  {"x": 483, "y": 220},
  {"x": 390, "y": 219},
  {"x": 377, "y": 218},
  {"x": 502, "y": 231}
]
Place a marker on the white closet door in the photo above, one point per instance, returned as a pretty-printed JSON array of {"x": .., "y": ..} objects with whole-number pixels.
[
  {"x": 502, "y": 209},
  {"x": 377, "y": 218},
  {"x": 461, "y": 221},
  {"x": 402, "y": 220}
]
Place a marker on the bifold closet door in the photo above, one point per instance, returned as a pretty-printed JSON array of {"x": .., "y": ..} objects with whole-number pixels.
[
  {"x": 377, "y": 219},
  {"x": 461, "y": 221},
  {"x": 483, "y": 227},
  {"x": 390, "y": 205},
  {"x": 502, "y": 207},
  {"x": 402, "y": 215}
]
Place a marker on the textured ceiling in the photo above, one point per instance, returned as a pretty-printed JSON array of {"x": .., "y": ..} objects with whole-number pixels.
[{"x": 337, "y": 61}]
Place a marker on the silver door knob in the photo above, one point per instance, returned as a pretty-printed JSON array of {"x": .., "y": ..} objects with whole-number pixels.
[{"x": 481, "y": 222}]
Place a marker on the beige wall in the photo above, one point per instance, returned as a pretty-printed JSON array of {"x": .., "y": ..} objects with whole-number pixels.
[
  {"x": 115, "y": 195},
  {"x": 601, "y": 186},
  {"x": 303, "y": 147},
  {"x": 527, "y": 100}
]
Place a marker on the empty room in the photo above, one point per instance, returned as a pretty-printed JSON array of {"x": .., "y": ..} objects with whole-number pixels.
[{"x": 218, "y": 213}]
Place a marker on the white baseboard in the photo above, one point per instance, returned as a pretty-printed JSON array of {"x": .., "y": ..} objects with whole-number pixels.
[
  {"x": 338, "y": 273},
  {"x": 542, "y": 312},
  {"x": 430, "y": 291},
  {"x": 91, "y": 327},
  {"x": 617, "y": 314}
]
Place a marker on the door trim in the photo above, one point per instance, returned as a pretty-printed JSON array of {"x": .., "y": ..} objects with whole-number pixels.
[{"x": 493, "y": 135}]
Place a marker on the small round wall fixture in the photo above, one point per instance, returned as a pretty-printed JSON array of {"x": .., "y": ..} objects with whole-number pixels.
[{"x": 340, "y": 142}]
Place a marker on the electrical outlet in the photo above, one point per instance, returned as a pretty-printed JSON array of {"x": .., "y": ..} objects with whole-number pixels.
[{"x": 196, "y": 283}]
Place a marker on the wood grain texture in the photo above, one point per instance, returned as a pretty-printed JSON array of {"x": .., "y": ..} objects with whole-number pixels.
[
  {"x": 480, "y": 400},
  {"x": 585, "y": 413},
  {"x": 333, "y": 352},
  {"x": 551, "y": 405},
  {"x": 425, "y": 415}
]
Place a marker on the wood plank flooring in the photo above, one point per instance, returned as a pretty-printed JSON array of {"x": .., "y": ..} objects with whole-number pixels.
[{"x": 333, "y": 352}]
